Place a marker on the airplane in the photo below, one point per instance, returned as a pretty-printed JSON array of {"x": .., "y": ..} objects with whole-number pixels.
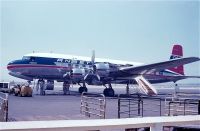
[{"x": 98, "y": 71}]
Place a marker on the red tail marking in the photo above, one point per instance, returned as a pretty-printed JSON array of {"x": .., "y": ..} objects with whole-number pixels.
[{"x": 177, "y": 52}]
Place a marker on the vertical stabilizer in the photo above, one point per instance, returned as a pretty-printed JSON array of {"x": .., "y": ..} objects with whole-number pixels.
[{"x": 177, "y": 52}]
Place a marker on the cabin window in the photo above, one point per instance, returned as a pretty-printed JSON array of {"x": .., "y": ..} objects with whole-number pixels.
[{"x": 32, "y": 59}]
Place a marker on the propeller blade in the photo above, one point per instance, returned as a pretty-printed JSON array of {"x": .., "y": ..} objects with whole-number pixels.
[
  {"x": 85, "y": 77},
  {"x": 92, "y": 77},
  {"x": 93, "y": 57},
  {"x": 92, "y": 73}
]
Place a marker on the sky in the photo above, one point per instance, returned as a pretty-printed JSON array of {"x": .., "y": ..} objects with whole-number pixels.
[{"x": 141, "y": 31}]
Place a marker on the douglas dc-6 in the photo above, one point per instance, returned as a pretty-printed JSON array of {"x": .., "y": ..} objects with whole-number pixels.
[{"x": 71, "y": 69}]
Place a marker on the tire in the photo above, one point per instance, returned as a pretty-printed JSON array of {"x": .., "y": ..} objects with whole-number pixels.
[
  {"x": 105, "y": 92},
  {"x": 82, "y": 89},
  {"x": 109, "y": 92}
]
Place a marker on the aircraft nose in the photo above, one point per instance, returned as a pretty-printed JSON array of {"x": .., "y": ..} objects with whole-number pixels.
[
  {"x": 9, "y": 65},
  {"x": 12, "y": 64}
]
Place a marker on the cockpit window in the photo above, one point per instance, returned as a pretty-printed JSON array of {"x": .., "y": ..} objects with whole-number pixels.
[
  {"x": 32, "y": 58},
  {"x": 25, "y": 58},
  {"x": 28, "y": 58}
]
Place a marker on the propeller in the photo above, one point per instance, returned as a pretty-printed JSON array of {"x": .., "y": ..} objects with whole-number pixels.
[{"x": 92, "y": 75}]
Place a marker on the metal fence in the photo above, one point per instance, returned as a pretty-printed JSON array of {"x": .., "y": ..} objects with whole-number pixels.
[
  {"x": 93, "y": 105},
  {"x": 184, "y": 107},
  {"x": 3, "y": 107},
  {"x": 139, "y": 106}
]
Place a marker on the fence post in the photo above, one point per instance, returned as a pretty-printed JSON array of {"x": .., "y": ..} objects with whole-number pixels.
[
  {"x": 184, "y": 107},
  {"x": 102, "y": 108},
  {"x": 87, "y": 108},
  {"x": 139, "y": 106},
  {"x": 129, "y": 108},
  {"x": 6, "y": 108},
  {"x": 142, "y": 107},
  {"x": 199, "y": 107},
  {"x": 118, "y": 107},
  {"x": 3, "y": 106},
  {"x": 169, "y": 113},
  {"x": 160, "y": 106}
]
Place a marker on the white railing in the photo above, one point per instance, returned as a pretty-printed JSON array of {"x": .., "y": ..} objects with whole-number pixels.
[
  {"x": 3, "y": 107},
  {"x": 155, "y": 124},
  {"x": 93, "y": 105}
]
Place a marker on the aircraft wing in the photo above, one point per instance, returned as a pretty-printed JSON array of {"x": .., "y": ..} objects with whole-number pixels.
[{"x": 144, "y": 69}]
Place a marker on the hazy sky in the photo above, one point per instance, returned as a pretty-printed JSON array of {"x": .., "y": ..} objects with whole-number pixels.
[{"x": 125, "y": 30}]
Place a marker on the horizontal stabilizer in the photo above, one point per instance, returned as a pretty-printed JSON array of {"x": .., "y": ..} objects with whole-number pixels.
[
  {"x": 145, "y": 86},
  {"x": 177, "y": 78}
]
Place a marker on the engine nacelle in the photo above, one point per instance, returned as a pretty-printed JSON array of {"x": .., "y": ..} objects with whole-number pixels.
[
  {"x": 78, "y": 71},
  {"x": 102, "y": 69},
  {"x": 77, "y": 74},
  {"x": 102, "y": 66}
]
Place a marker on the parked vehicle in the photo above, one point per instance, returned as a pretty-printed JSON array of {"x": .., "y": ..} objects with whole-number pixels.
[{"x": 23, "y": 90}]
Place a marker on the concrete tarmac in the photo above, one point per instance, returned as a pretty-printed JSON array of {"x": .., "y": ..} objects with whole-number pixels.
[{"x": 56, "y": 106}]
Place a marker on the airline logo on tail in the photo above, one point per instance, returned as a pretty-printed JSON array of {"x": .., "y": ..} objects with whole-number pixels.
[{"x": 177, "y": 52}]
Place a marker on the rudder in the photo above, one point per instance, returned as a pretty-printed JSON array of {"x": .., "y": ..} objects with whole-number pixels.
[{"x": 177, "y": 52}]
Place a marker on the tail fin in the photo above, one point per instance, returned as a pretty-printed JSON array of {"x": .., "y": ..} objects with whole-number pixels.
[{"x": 177, "y": 52}]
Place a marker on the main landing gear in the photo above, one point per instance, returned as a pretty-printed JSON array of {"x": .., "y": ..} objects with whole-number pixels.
[
  {"x": 109, "y": 91},
  {"x": 82, "y": 88}
]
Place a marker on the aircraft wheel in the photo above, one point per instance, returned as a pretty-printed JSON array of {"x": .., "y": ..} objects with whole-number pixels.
[
  {"x": 105, "y": 92},
  {"x": 109, "y": 92},
  {"x": 82, "y": 89}
]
